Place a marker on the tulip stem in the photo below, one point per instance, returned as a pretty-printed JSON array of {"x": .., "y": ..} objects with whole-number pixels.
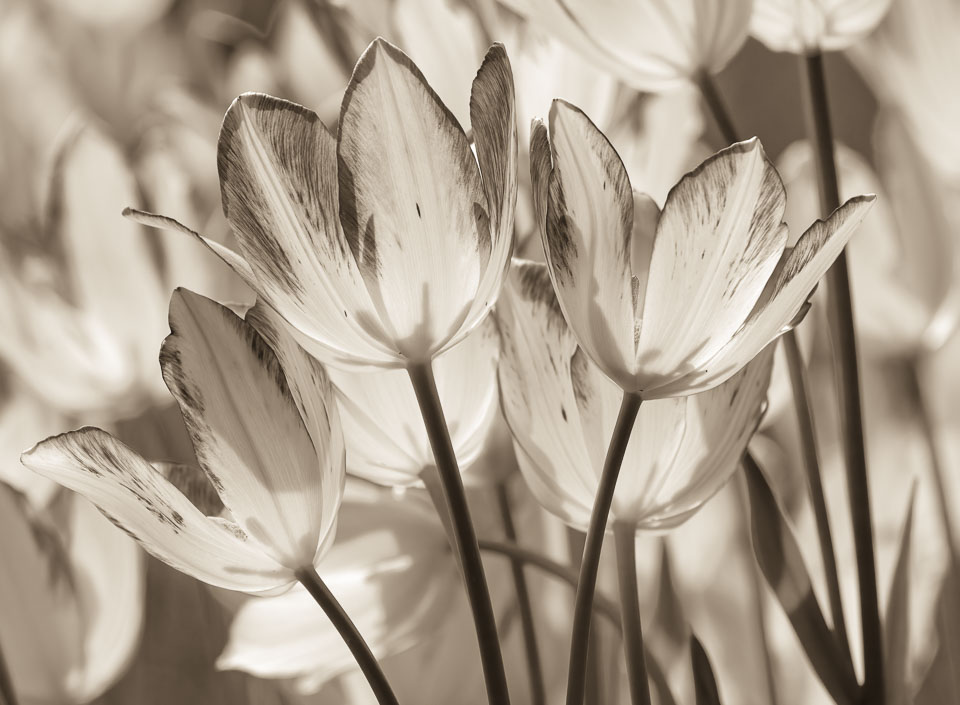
[
  {"x": 625, "y": 537},
  {"x": 846, "y": 368},
  {"x": 589, "y": 566},
  {"x": 811, "y": 463},
  {"x": 538, "y": 694},
  {"x": 714, "y": 101},
  {"x": 464, "y": 536},
  {"x": 314, "y": 584},
  {"x": 8, "y": 696}
]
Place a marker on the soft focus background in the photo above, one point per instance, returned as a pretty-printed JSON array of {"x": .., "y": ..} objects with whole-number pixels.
[{"x": 110, "y": 103}]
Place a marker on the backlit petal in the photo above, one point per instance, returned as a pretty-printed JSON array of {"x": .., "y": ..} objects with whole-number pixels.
[
  {"x": 246, "y": 429},
  {"x": 127, "y": 489}
]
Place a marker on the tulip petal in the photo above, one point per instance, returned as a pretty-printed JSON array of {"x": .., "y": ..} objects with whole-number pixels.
[
  {"x": 494, "y": 121},
  {"x": 718, "y": 242},
  {"x": 411, "y": 202},
  {"x": 540, "y": 166},
  {"x": 799, "y": 273},
  {"x": 278, "y": 180},
  {"x": 133, "y": 495},
  {"x": 247, "y": 431},
  {"x": 587, "y": 239},
  {"x": 538, "y": 396}
]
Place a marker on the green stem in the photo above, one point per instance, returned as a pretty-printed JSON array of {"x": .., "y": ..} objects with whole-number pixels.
[
  {"x": 714, "y": 101},
  {"x": 811, "y": 463},
  {"x": 624, "y": 534},
  {"x": 840, "y": 314},
  {"x": 464, "y": 534},
  {"x": 576, "y": 678},
  {"x": 309, "y": 578},
  {"x": 538, "y": 694}
]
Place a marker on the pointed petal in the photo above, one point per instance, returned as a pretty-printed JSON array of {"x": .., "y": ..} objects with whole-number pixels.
[
  {"x": 540, "y": 167},
  {"x": 411, "y": 202},
  {"x": 538, "y": 395},
  {"x": 133, "y": 495},
  {"x": 717, "y": 243},
  {"x": 279, "y": 186},
  {"x": 493, "y": 119},
  {"x": 246, "y": 429},
  {"x": 587, "y": 239},
  {"x": 799, "y": 273}
]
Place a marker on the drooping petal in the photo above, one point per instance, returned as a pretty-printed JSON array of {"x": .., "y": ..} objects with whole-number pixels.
[
  {"x": 587, "y": 239},
  {"x": 412, "y": 203},
  {"x": 391, "y": 570},
  {"x": 278, "y": 180},
  {"x": 246, "y": 428},
  {"x": 386, "y": 439},
  {"x": 133, "y": 495},
  {"x": 802, "y": 268},
  {"x": 538, "y": 396},
  {"x": 493, "y": 119},
  {"x": 718, "y": 241}
]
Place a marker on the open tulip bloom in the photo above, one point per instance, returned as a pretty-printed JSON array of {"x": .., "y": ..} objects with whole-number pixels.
[
  {"x": 382, "y": 246},
  {"x": 666, "y": 303}
]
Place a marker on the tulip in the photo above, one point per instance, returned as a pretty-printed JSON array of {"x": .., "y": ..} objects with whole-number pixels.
[
  {"x": 561, "y": 409},
  {"x": 71, "y": 600},
  {"x": 674, "y": 302},
  {"x": 390, "y": 565},
  {"x": 652, "y": 45},
  {"x": 801, "y": 26},
  {"x": 267, "y": 438}
]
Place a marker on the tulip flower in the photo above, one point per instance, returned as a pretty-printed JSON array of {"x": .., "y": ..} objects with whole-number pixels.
[
  {"x": 561, "y": 409},
  {"x": 385, "y": 437},
  {"x": 71, "y": 600},
  {"x": 652, "y": 45},
  {"x": 390, "y": 565},
  {"x": 801, "y": 26},
  {"x": 267, "y": 438},
  {"x": 904, "y": 276},
  {"x": 673, "y": 302},
  {"x": 370, "y": 256}
]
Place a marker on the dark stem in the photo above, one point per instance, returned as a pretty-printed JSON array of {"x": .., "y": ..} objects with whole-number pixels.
[
  {"x": 846, "y": 368},
  {"x": 624, "y": 534},
  {"x": 8, "y": 696},
  {"x": 594, "y": 694},
  {"x": 601, "y": 603},
  {"x": 309, "y": 578},
  {"x": 576, "y": 679},
  {"x": 721, "y": 116},
  {"x": 811, "y": 463},
  {"x": 538, "y": 694},
  {"x": 464, "y": 536}
]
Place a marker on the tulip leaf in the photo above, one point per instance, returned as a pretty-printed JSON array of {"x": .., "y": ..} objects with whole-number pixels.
[
  {"x": 704, "y": 682},
  {"x": 897, "y": 626},
  {"x": 778, "y": 555}
]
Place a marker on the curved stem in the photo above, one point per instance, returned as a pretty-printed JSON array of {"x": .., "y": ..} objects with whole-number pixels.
[
  {"x": 602, "y": 604},
  {"x": 538, "y": 695},
  {"x": 463, "y": 533},
  {"x": 625, "y": 537},
  {"x": 811, "y": 463},
  {"x": 721, "y": 116},
  {"x": 586, "y": 586},
  {"x": 309, "y": 578},
  {"x": 840, "y": 314}
]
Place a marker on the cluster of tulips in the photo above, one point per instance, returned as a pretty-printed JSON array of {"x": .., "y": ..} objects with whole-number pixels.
[{"x": 435, "y": 307}]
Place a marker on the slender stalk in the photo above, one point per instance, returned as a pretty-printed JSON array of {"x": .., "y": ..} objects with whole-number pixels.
[
  {"x": 625, "y": 537},
  {"x": 594, "y": 694},
  {"x": 840, "y": 314},
  {"x": 601, "y": 604},
  {"x": 538, "y": 694},
  {"x": 714, "y": 101},
  {"x": 464, "y": 534},
  {"x": 314, "y": 584},
  {"x": 811, "y": 463},
  {"x": 576, "y": 678},
  {"x": 929, "y": 436}
]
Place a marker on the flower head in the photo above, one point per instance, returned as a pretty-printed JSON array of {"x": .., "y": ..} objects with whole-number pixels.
[
  {"x": 387, "y": 244},
  {"x": 267, "y": 437},
  {"x": 562, "y": 409},
  {"x": 673, "y": 302},
  {"x": 801, "y": 26}
]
